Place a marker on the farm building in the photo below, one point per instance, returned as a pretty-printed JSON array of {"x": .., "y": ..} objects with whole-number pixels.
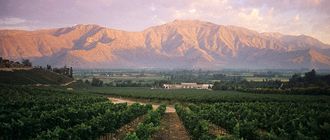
[{"x": 187, "y": 86}]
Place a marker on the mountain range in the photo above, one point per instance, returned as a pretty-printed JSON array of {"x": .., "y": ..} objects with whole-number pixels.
[{"x": 183, "y": 44}]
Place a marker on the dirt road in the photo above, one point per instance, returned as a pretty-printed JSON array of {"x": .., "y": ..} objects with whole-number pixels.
[
  {"x": 129, "y": 102},
  {"x": 68, "y": 83},
  {"x": 171, "y": 128}
]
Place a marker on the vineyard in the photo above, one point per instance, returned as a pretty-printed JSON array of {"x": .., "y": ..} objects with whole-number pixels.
[
  {"x": 42, "y": 113},
  {"x": 258, "y": 120},
  {"x": 150, "y": 125},
  {"x": 203, "y": 96},
  {"x": 30, "y": 113},
  {"x": 243, "y": 115}
]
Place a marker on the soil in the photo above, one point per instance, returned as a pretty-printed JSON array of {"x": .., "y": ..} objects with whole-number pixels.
[
  {"x": 169, "y": 108},
  {"x": 171, "y": 128},
  {"x": 216, "y": 130},
  {"x": 121, "y": 133}
]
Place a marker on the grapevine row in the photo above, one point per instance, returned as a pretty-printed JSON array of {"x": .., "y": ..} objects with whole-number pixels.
[
  {"x": 149, "y": 126},
  {"x": 269, "y": 120},
  {"x": 28, "y": 113}
]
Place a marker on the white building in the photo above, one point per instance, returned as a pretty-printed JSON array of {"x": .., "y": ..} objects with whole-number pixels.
[{"x": 187, "y": 86}]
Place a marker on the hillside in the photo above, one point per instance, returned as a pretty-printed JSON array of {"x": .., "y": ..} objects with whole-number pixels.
[
  {"x": 32, "y": 76},
  {"x": 178, "y": 44}
]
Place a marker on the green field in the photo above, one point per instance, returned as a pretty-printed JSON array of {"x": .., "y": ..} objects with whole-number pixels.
[
  {"x": 259, "y": 79},
  {"x": 242, "y": 115},
  {"x": 132, "y": 78},
  {"x": 33, "y": 113},
  {"x": 53, "y": 113},
  {"x": 258, "y": 120},
  {"x": 205, "y": 96}
]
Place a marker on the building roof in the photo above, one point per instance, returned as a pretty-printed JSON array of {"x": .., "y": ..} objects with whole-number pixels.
[{"x": 189, "y": 84}]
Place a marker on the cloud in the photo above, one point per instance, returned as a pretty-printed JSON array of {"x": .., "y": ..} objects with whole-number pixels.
[
  {"x": 11, "y": 21},
  {"x": 284, "y": 5},
  {"x": 15, "y": 27},
  {"x": 251, "y": 16},
  {"x": 296, "y": 18},
  {"x": 192, "y": 11},
  {"x": 153, "y": 8}
]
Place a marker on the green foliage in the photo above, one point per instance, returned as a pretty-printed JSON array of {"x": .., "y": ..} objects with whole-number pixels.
[
  {"x": 153, "y": 117},
  {"x": 145, "y": 130},
  {"x": 150, "y": 125},
  {"x": 26, "y": 62},
  {"x": 310, "y": 79},
  {"x": 244, "y": 84},
  {"x": 310, "y": 84},
  {"x": 131, "y": 136},
  {"x": 310, "y": 76},
  {"x": 228, "y": 137},
  {"x": 33, "y": 76},
  {"x": 197, "y": 127},
  {"x": 292, "y": 91},
  {"x": 208, "y": 96},
  {"x": 97, "y": 82},
  {"x": 220, "y": 86},
  {"x": 261, "y": 120},
  {"x": 31, "y": 113}
]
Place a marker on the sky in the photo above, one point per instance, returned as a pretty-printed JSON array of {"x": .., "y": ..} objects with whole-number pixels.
[{"x": 294, "y": 17}]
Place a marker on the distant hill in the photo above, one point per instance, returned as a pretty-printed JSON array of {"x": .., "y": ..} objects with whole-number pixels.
[
  {"x": 178, "y": 44},
  {"x": 32, "y": 77}
]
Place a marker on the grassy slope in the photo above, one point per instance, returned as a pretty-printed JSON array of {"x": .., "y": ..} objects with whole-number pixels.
[{"x": 22, "y": 77}]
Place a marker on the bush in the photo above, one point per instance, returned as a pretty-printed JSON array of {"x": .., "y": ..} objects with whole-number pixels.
[
  {"x": 145, "y": 130},
  {"x": 131, "y": 136},
  {"x": 150, "y": 124},
  {"x": 97, "y": 82}
]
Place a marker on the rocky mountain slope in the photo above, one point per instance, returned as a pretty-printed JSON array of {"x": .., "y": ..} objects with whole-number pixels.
[{"x": 178, "y": 44}]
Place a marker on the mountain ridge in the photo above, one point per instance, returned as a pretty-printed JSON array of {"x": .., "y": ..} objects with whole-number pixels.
[{"x": 177, "y": 44}]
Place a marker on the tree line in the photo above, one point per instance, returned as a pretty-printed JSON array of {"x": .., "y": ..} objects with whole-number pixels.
[{"x": 308, "y": 83}]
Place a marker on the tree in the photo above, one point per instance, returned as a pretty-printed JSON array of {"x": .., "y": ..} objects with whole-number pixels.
[
  {"x": 49, "y": 67},
  {"x": 97, "y": 82},
  {"x": 26, "y": 62},
  {"x": 160, "y": 83},
  {"x": 295, "y": 78},
  {"x": 131, "y": 136},
  {"x": 71, "y": 72},
  {"x": 310, "y": 76},
  {"x": 87, "y": 82}
]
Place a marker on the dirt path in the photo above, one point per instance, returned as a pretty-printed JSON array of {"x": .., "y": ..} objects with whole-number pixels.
[
  {"x": 121, "y": 133},
  {"x": 171, "y": 127},
  {"x": 129, "y": 102},
  {"x": 68, "y": 83},
  {"x": 216, "y": 130}
]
